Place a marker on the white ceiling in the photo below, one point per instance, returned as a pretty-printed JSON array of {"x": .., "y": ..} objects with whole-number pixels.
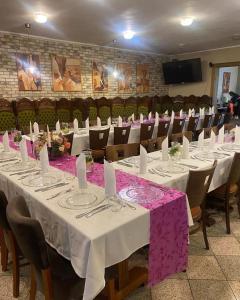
[{"x": 156, "y": 22}]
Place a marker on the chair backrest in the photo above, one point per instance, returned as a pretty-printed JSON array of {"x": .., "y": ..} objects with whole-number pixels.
[
  {"x": 159, "y": 141},
  {"x": 3, "y": 209},
  {"x": 178, "y": 137},
  {"x": 227, "y": 118},
  {"x": 216, "y": 120},
  {"x": 228, "y": 127},
  {"x": 198, "y": 185},
  {"x": 117, "y": 152},
  {"x": 163, "y": 128},
  {"x": 178, "y": 124},
  {"x": 234, "y": 175},
  {"x": 64, "y": 110},
  {"x": 98, "y": 138},
  {"x": 192, "y": 123},
  {"x": 146, "y": 131},
  {"x": 207, "y": 121},
  {"x": 28, "y": 233},
  {"x": 121, "y": 135}
]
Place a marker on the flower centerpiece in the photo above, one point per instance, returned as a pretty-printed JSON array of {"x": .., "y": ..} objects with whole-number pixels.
[
  {"x": 175, "y": 151},
  {"x": 17, "y": 137}
]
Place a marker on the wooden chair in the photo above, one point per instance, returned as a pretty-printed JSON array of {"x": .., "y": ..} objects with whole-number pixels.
[
  {"x": 192, "y": 124},
  {"x": 92, "y": 111},
  {"x": 178, "y": 137},
  {"x": 130, "y": 107},
  {"x": 121, "y": 135},
  {"x": 225, "y": 194},
  {"x": 98, "y": 140},
  {"x": 207, "y": 121},
  {"x": 178, "y": 124},
  {"x": 25, "y": 110},
  {"x": 9, "y": 244},
  {"x": 117, "y": 152},
  {"x": 7, "y": 116},
  {"x": 207, "y": 131},
  {"x": 163, "y": 128},
  {"x": 79, "y": 110},
  {"x": 227, "y": 118},
  {"x": 104, "y": 109},
  {"x": 159, "y": 141},
  {"x": 228, "y": 127},
  {"x": 178, "y": 103},
  {"x": 46, "y": 112},
  {"x": 144, "y": 104},
  {"x": 54, "y": 273},
  {"x": 217, "y": 119},
  {"x": 64, "y": 110},
  {"x": 197, "y": 188},
  {"x": 146, "y": 131},
  {"x": 118, "y": 107}
]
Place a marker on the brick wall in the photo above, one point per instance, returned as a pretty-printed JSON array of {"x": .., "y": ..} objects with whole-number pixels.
[{"x": 10, "y": 44}]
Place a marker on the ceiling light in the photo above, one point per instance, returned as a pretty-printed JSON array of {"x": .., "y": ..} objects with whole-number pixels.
[
  {"x": 128, "y": 34},
  {"x": 40, "y": 18},
  {"x": 115, "y": 74},
  {"x": 187, "y": 21}
]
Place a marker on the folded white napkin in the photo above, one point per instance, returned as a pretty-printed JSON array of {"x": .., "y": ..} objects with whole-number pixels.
[
  {"x": 109, "y": 179},
  {"x": 150, "y": 116},
  {"x": 185, "y": 148},
  {"x": 172, "y": 116},
  {"x": 109, "y": 122},
  {"x": 141, "y": 118},
  {"x": 143, "y": 160},
  {"x": 87, "y": 123},
  {"x": 212, "y": 139},
  {"x": 165, "y": 149},
  {"x": 81, "y": 171},
  {"x": 237, "y": 135},
  {"x": 48, "y": 138},
  {"x": 58, "y": 128},
  {"x": 221, "y": 135},
  {"x": 75, "y": 125},
  {"x": 189, "y": 112},
  {"x": 193, "y": 112},
  {"x": 133, "y": 117},
  {"x": 23, "y": 150},
  {"x": 44, "y": 161},
  {"x": 203, "y": 111},
  {"x": 201, "y": 139},
  {"x": 166, "y": 112},
  {"x": 200, "y": 112},
  {"x": 156, "y": 118},
  {"x": 181, "y": 113},
  {"x": 120, "y": 121},
  {"x": 35, "y": 128},
  {"x": 6, "y": 142},
  {"x": 212, "y": 110},
  {"x": 99, "y": 122},
  {"x": 30, "y": 131}
]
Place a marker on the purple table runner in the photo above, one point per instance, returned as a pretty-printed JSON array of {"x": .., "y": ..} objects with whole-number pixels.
[{"x": 168, "y": 250}]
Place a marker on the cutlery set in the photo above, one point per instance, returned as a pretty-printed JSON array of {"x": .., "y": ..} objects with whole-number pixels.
[
  {"x": 160, "y": 173},
  {"x": 94, "y": 211}
]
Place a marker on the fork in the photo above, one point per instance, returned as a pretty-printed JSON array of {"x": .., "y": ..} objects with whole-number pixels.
[{"x": 60, "y": 193}]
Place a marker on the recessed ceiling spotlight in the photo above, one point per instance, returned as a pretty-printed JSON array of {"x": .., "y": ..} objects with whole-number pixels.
[
  {"x": 128, "y": 34},
  {"x": 40, "y": 17},
  {"x": 186, "y": 21}
]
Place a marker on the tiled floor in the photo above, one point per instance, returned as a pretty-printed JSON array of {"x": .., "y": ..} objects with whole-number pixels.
[{"x": 211, "y": 275}]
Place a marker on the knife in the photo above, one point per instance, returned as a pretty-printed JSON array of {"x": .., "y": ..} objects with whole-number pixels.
[
  {"x": 51, "y": 187},
  {"x": 24, "y": 172},
  {"x": 93, "y": 210},
  {"x": 124, "y": 164},
  {"x": 187, "y": 165},
  {"x": 7, "y": 160},
  {"x": 59, "y": 193}
]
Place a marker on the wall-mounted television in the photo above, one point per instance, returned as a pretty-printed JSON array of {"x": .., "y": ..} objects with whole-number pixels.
[{"x": 182, "y": 71}]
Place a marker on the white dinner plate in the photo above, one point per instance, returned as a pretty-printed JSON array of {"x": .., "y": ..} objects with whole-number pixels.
[
  {"x": 136, "y": 159},
  {"x": 174, "y": 169},
  {"x": 42, "y": 180},
  {"x": 7, "y": 155},
  {"x": 230, "y": 147},
  {"x": 18, "y": 166},
  {"x": 209, "y": 155}
]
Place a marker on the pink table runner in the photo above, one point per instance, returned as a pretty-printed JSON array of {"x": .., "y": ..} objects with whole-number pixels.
[{"x": 168, "y": 251}]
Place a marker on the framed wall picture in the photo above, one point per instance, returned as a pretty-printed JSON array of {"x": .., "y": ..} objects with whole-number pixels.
[
  {"x": 125, "y": 78},
  {"x": 226, "y": 82},
  {"x": 99, "y": 77},
  {"x": 143, "y": 78},
  {"x": 28, "y": 72},
  {"x": 66, "y": 74}
]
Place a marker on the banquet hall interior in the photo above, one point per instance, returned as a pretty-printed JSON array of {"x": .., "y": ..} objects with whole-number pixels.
[{"x": 120, "y": 150}]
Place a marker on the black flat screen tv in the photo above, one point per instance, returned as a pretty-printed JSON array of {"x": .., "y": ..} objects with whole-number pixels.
[{"x": 182, "y": 71}]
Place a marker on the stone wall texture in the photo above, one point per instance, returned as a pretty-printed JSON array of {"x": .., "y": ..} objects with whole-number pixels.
[{"x": 11, "y": 44}]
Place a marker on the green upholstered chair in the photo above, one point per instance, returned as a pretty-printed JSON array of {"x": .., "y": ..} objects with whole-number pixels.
[
  {"x": 46, "y": 112},
  {"x": 92, "y": 111},
  {"x": 205, "y": 101},
  {"x": 63, "y": 108},
  {"x": 79, "y": 110},
  {"x": 25, "y": 112},
  {"x": 118, "y": 107},
  {"x": 130, "y": 107},
  {"x": 178, "y": 103},
  {"x": 7, "y": 117},
  {"x": 144, "y": 105},
  {"x": 104, "y": 109}
]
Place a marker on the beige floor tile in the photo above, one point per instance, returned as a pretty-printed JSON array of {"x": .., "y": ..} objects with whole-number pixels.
[
  {"x": 230, "y": 266},
  {"x": 224, "y": 245},
  {"x": 235, "y": 285},
  {"x": 204, "y": 267},
  {"x": 197, "y": 246},
  {"x": 172, "y": 289},
  {"x": 181, "y": 275},
  {"x": 211, "y": 290},
  {"x": 235, "y": 228},
  {"x": 6, "y": 288},
  {"x": 143, "y": 293}
]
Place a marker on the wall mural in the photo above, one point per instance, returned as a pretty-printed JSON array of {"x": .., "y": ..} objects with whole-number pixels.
[
  {"x": 28, "y": 72},
  {"x": 143, "y": 81},
  {"x": 125, "y": 78},
  {"x": 99, "y": 77},
  {"x": 66, "y": 74},
  {"x": 226, "y": 82}
]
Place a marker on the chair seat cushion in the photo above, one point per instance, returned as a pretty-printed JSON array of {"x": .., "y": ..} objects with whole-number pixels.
[
  {"x": 220, "y": 192},
  {"x": 196, "y": 213}
]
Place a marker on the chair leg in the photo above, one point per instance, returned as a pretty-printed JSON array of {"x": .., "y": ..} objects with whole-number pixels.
[
  {"x": 47, "y": 284},
  {"x": 15, "y": 260},
  {"x": 33, "y": 286},
  {"x": 204, "y": 230},
  {"x": 227, "y": 214},
  {"x": 4, "y": 252},
  {"x": 238, "y": 203}
]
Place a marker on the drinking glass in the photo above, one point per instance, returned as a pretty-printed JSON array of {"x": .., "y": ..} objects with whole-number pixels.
[{"x": 89, "y": 160}]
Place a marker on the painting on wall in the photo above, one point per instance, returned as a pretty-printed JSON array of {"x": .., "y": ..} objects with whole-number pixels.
[
  {"x": 66, "y": 74},
  {"x": 124, "y": 78},
  {"x": 226, "y": 82},
  {"x": 100, "y": 77},
  {"x": 143, "y": 82},
  {"x": 28, "y": 72}
]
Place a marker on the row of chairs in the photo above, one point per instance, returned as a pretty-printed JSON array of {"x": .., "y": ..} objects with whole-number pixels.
[{"x": 18, "y": 114}]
